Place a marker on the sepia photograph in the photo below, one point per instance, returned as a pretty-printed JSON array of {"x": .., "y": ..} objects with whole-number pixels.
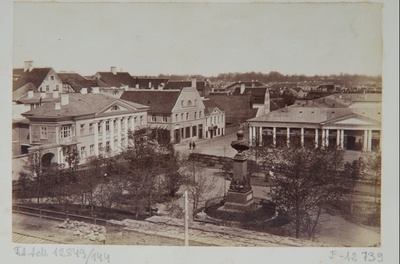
[{"x": 164, "y": 130}]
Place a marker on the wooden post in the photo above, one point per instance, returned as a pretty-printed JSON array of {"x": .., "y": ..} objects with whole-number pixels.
[{"x": 186, "y": 220}]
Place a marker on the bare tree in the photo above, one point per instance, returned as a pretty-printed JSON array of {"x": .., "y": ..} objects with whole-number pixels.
[{"x": 309, "y": 178}]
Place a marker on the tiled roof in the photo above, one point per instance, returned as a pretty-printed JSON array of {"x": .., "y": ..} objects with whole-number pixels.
[
  {"x": 160, "y": 101},
  {"x": 314, "y": 115},
  {"x": 247, "y": 84},
  {"x": 237, "y": 107},
  {"x": 117, "y": 80},
  {"x": 173, "y": 85},
  {"x": 210, "y": 106},
  {"x": 35, "y": 76},
  {"x": 143, "y": 82},
  {"x": 77, "y": 81},
  {"x": 79, "y": 104},
  {"x": 36, "y": 98}
]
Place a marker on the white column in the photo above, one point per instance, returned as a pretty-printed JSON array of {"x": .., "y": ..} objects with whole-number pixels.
[
  {"x": 302, "y": 136},
  {"x": 342, "y": 139},
  {"x": 365, "y": 140},
  {"x": 338, "y": 138},
  {"x": 133, "y": 123},
  {"x": 260, "y": 136},
  {"x": 96, "y": 138},
  {"x": 369, "y": 140},
  {"x": 119, "y": 134},
  {"x": 274, "y": 135},
  {"x": 111, "y": 135},
  {"x": 323, "y": 139},
  {"x": 104, "y": 133},
  {"x": 254, "y": 134},
  {"x": 327, "y": 137},
  {"x": 250, "y": 135},
  {"x": 126, "y": 130},
  {"x": 288, "y": 136},
  {"x": 316, "y": 138}
]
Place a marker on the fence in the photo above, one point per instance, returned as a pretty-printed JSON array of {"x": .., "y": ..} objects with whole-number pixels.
[
  {"x": 54, "y": 215},
  {"x": 210, "y": 160}
]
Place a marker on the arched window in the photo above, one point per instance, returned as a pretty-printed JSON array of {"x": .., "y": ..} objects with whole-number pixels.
[{"x": 114, "y": 108}]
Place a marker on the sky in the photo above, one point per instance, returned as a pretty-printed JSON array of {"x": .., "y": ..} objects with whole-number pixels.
[{"x": 200, "y": 38}]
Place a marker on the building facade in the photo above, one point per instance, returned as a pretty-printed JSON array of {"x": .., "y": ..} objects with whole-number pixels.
[
  {"x": 178, "y": 112},
  {"x": 348, "y": 122},
  {"x": 88, "y": 123}
]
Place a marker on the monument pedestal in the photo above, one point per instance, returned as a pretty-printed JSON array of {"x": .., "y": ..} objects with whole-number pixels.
[{"x": 238, "y": 201}]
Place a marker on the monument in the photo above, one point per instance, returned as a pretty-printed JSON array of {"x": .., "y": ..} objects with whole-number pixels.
[{"x": 239, "y": 197}]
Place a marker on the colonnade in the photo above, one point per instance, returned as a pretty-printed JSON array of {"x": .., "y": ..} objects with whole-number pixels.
[{"x": 256, "y": 132}]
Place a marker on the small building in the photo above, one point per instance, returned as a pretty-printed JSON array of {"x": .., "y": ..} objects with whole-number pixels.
[
  {"x": 215, "y": 120},
  {"x": 34, "y": 79}
]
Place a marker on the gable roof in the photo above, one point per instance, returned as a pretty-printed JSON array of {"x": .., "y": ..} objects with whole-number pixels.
[
  {"x": 79, "y": 105},
  {"x": 36, "y": 76},
  {"x": 237, "y": 107},
  {"x": 210, "y": 106},
  {"x": 159, "y": 101},
  {"x": 77, "y": 81},
  {"x": 117, "y": 80}
]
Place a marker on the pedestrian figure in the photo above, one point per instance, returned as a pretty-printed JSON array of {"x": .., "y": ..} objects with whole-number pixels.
[
  {"x": 194, "y": 145},
  {"x": 190, "y": 145}
]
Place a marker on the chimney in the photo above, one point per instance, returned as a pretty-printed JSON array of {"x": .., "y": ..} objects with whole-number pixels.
[
  {"x": 252, "y": 84},
  {"x": 83, "y": 90},
  {"x": 57, "y": 106},
  {"x": 137, "y": 86},
  {"x": 114, "y": 70},
  {"x": 149, "y": 84},
  {"x": 95, "y": 90},
  {"x": 30, "y": 94},
  {"x": 193, "y": 83},
  {"x": 43, "y": 94},
  {"x": 64, "y": 99},
  {"x": 28, "y": 66},
  {"x": 55, "y": 94},
  {"x": 242, "y": 88}
]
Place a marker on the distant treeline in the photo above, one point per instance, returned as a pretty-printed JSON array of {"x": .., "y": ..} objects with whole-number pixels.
[{"x": 273, "y": 76}]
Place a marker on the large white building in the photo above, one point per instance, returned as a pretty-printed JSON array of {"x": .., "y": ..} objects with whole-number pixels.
[
  {"x": 90, "y": 123},
  {"x": 348, "y": 121}
]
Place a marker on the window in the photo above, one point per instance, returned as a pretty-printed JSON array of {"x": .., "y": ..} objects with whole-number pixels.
[
  {"x": 165, "y": 119},
  {"x": 199, "y": 114},
  {"x": 189, "y": 103},
  {"x": 99, "y": 127},
  {"x": 83, "y": 152},
  {"x": 66, "y": 131},
  {"x": 187, "y": 116},
  {"x": 176, "y": 117},
  {"x": 153, "y": 118},
  {"x": 107, "y": 146},
  {"x": 91, "y": 149},
  {"x": 47, "y": 88},
  {"x": 141, "y": 120},
  {"x": 52, "y": 77},
  {"x": 182, "y": 117},
  {"x": 91, "y": 128},
  {"x": 82, "y": 131},
  {"x": 115, "y": 108},
  {"x": 100, "y": 146},
  {"x": 195, "y": 115},
  {"x": 115, "y": 125},
  {"x": 43, "y": 132},
  {"x": 107, "y": 125},
  {"x": 195, "y": 102},
  {"x": 218, "y": 119},
  {"x": 182, "y": 103},
  {"x": 58, "y": 87}
]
